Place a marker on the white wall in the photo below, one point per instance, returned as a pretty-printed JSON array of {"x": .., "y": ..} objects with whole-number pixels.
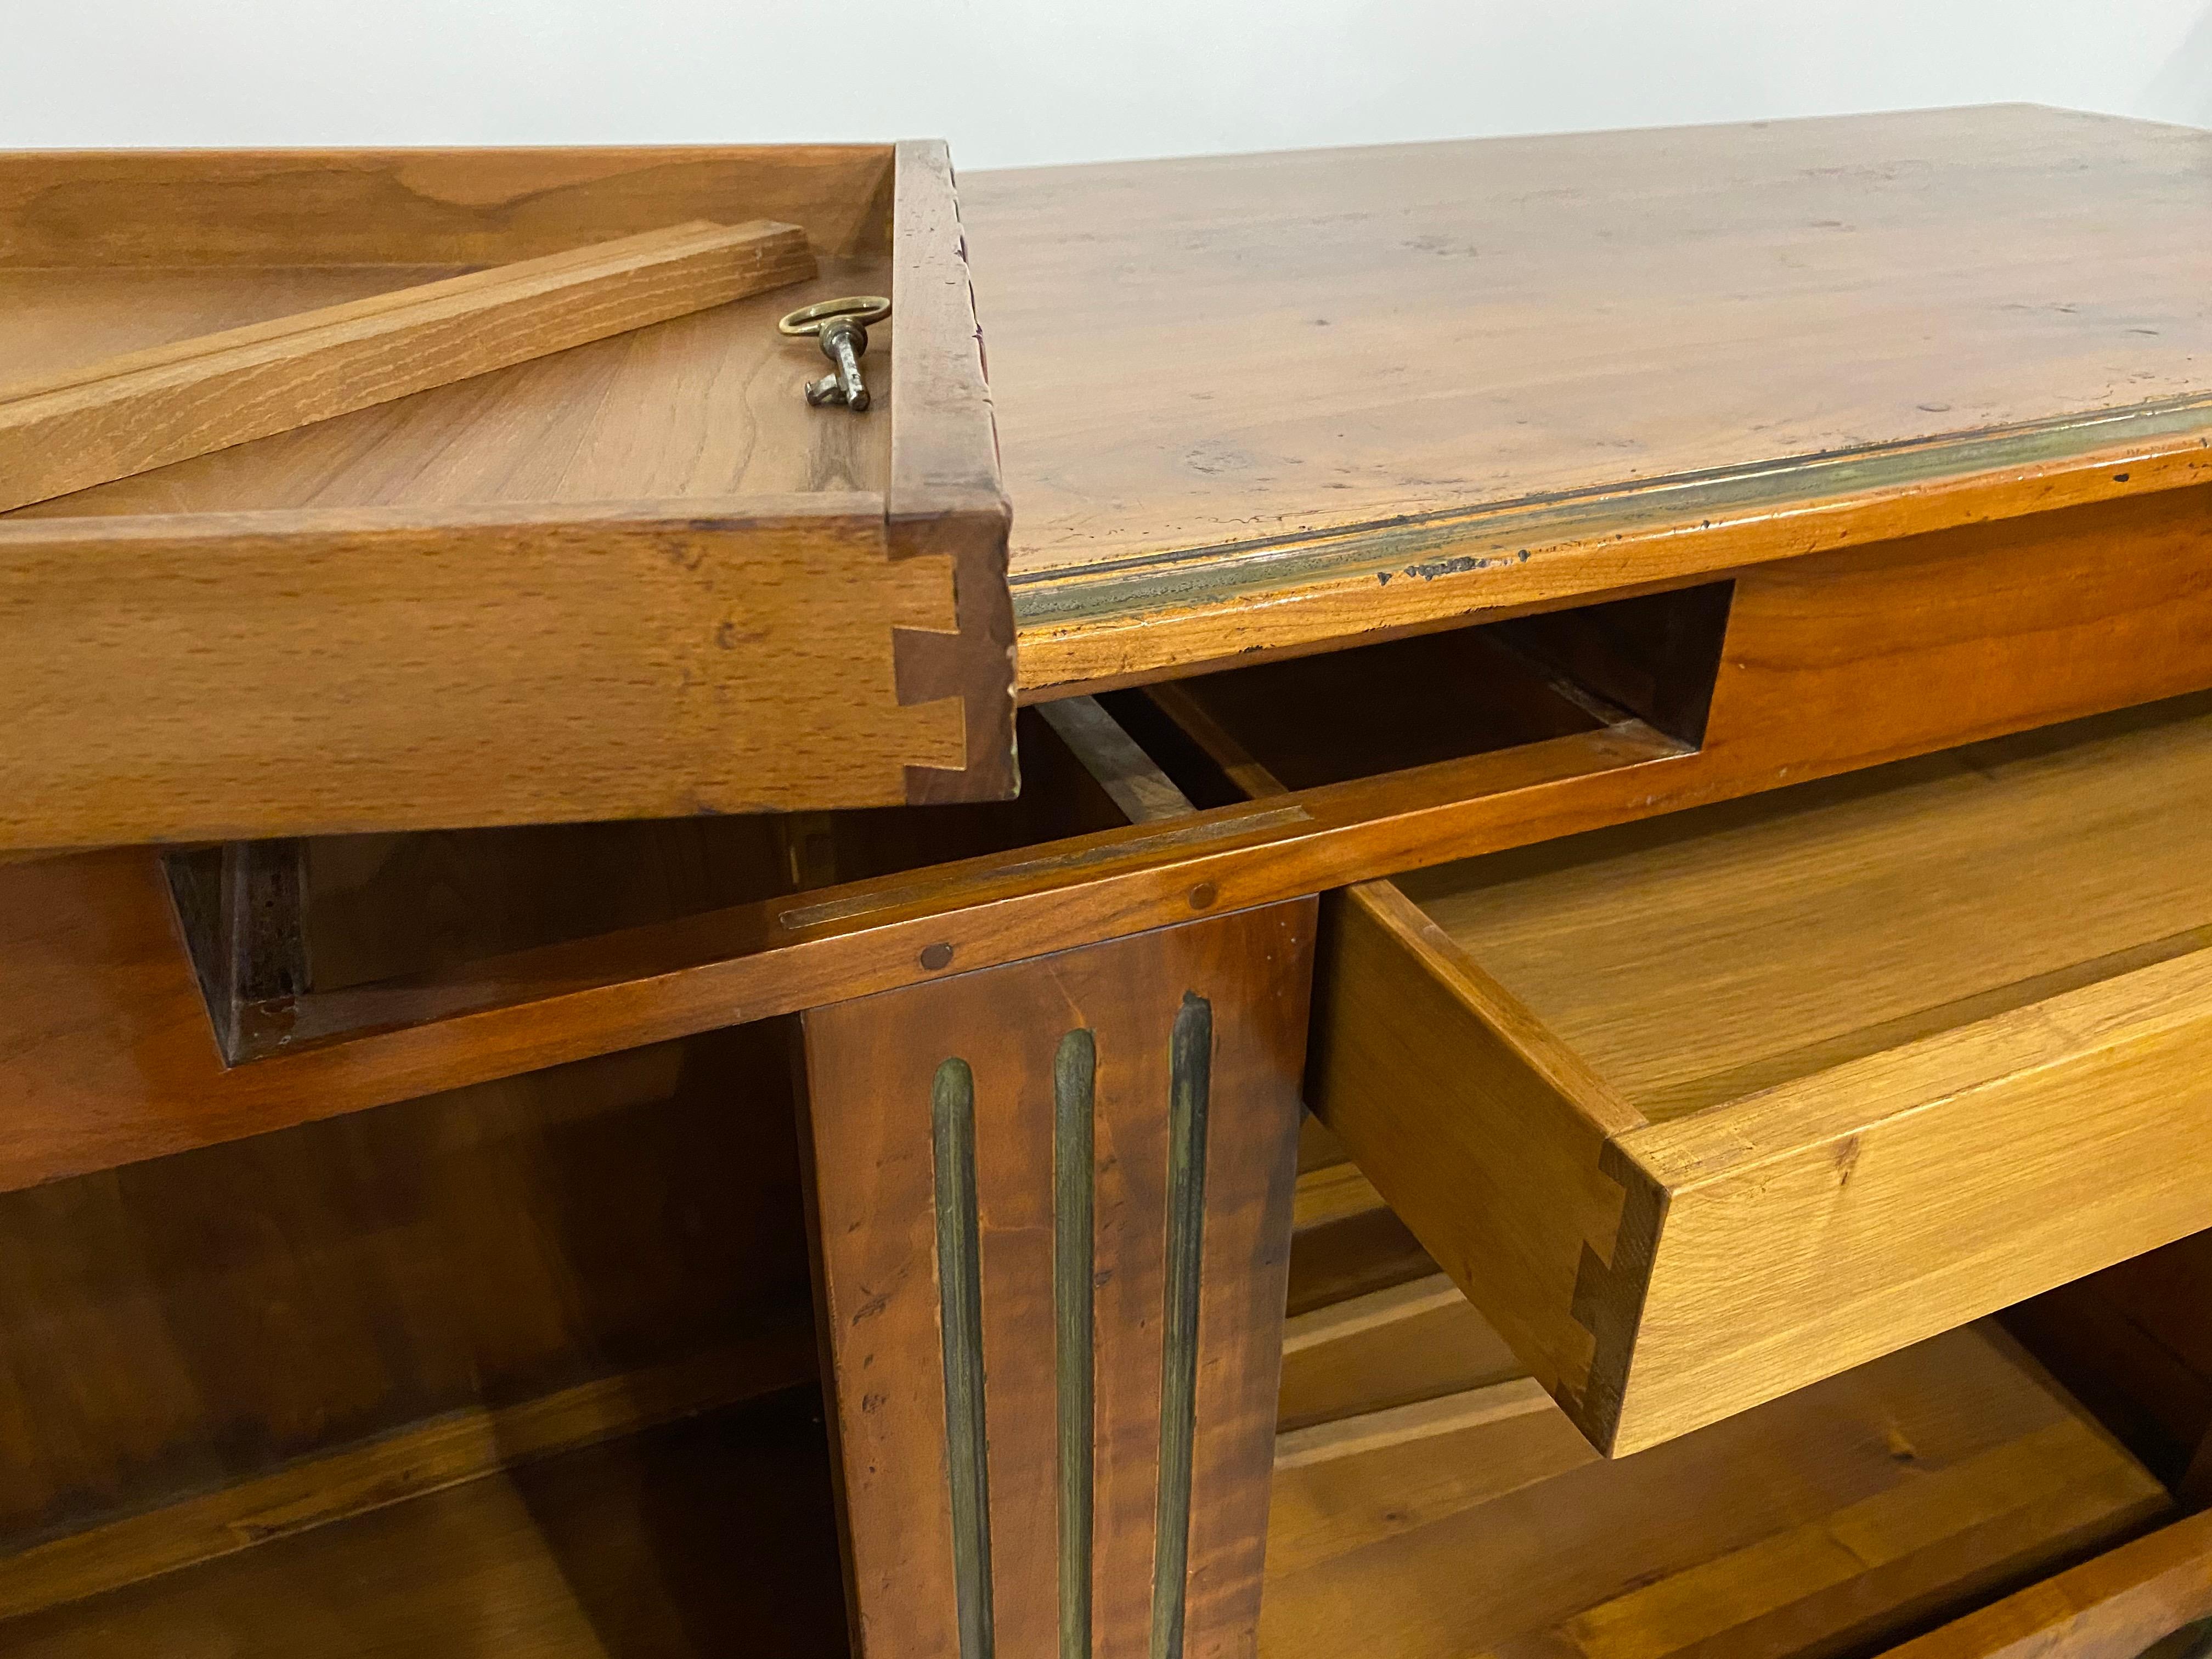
[{"x": 1009, "y": 82}]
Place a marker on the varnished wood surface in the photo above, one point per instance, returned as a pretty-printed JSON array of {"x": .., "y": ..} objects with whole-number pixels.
[
  {"x": 156, "y": 208},
  {"x": 1909, "y": 1190},
  {"x": 484, "y": 665},
  {"x": 1491, "y": 1138},
  {"x": 447, "y": 1450},
  {"x": 1405, "y": 1417},
  {"x": 873, "y": 1065},
  {"x": 945, "y": 499},
  {"x": 120, "y": 416},
  {"x": 1415, "y": 1341},
  {"x": 1279, "y": 401},
  {"x": 103, "y": 253},
  {"x": 673, "y": 1545},
  {"x": 1856, "y": 1511}
]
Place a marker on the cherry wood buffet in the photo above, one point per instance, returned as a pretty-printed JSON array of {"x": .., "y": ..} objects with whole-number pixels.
[{"x": 1659, "y": 683}]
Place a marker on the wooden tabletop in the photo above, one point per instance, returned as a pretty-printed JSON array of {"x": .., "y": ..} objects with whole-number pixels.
[{"x": 1272, "y": 402}]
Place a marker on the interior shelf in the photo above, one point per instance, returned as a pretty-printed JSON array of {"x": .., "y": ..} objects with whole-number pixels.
[
  {"x": 706, "y": 1537},
  {"x": 1430, "y": 1499}
]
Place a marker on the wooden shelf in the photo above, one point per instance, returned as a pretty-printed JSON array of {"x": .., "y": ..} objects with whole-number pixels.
[
  {"x": 1851, "y": 1514},
  {"x": 663, "y": 1544}
]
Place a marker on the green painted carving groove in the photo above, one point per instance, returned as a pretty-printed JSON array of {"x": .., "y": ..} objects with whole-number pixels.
[
  {"x": 1190, "y": 1070},
  {"x": 1074, "y": 1076},
  {"x": 960, "y": 1306}
]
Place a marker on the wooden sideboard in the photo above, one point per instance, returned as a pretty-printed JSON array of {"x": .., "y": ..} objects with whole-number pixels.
[{"x": 1659, "y": 683}]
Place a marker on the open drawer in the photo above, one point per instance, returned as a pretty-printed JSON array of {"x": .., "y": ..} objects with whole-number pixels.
[
  {"x": 638, "y": 578},
  {"x": 1702, "y": 1109}
]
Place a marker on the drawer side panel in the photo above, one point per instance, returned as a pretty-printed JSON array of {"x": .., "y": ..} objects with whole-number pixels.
[{"x": 1489, "y": 1141}]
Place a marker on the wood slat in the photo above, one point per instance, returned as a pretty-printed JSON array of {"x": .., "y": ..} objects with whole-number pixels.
[
  {"x": 676, "y": 649},
  {"x": 1393, "y": 1347},
  {"x": 1401, "y": 1426},
  {"x": 944, "y": 498}
]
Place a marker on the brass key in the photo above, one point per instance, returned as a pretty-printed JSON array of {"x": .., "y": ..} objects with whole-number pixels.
[{"x": 840, "y": 328}]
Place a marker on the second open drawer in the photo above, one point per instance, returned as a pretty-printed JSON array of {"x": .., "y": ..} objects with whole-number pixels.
[{"x": 1702, "y": 1109}]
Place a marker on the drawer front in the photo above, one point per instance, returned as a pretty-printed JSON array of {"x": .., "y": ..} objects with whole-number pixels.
[{"x": 2015, "y": 1094}]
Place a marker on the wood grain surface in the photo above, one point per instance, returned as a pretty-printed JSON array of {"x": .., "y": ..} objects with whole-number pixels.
[
  {"x": 1271, "y": 402},
  {"x": 1415, "y": 1341},
  {"x": 1703, "y": 955},
  {"x": 1486, "y": 1134},
  {"x": 558, "y": 663},
  {"x": 103, "y": 253},
  {"x": 886, "y": 1273},
  {"x": 120, "y": 416},
  {"x": 159, "y": 209},
  {"x": 702, "y": 405},
  {"x": 445, "y": 1451},
  {"x": 945, "y": 500},
  {"x": 1849, "y": 1514}
]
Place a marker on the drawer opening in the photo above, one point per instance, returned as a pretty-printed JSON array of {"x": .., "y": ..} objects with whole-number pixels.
[
  {"x": 1432, "y": 1499},
  {"x": 1706, "y": 1108},
  {"x": 274, "y": 925},
  {"x": 1302, "y": 722}
]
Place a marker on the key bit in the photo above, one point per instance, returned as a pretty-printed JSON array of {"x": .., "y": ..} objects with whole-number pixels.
[{"x": 840, "y": 327}]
